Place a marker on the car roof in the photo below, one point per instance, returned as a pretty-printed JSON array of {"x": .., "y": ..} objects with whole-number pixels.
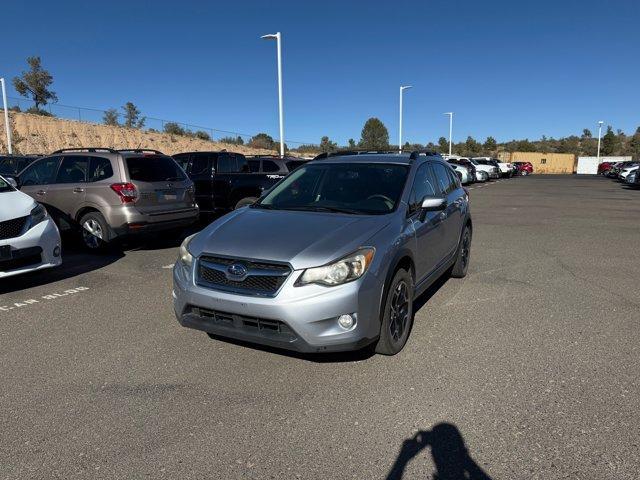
[{"x": 364, "y": 157}]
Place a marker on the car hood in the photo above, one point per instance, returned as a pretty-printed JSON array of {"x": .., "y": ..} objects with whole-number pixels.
[
  {"x": 15, "y": 204},
  {"x": 303, "y": 239}
]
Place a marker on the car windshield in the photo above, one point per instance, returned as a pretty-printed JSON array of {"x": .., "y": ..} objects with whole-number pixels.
[
  {"x": 4, "y": 186},
  {"x": 154, "y": 168},
  {"x": 355, "y": 188}
]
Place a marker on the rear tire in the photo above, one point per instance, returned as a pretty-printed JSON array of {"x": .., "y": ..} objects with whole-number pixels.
[
  {"x": 463, "y": 255},
  {"x": 245, "y": 201},
  {"x": 95, "y": 233},
  {"x": 397, "y": 315}
]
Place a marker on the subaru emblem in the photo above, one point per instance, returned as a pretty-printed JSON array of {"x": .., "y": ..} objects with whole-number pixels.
[{"x": 236, "y": 271}]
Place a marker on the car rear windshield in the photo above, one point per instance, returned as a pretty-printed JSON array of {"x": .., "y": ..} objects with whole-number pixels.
[
  {"x": 154, "y": 168},
  {"x": 355, "y": 188},
  {"x": 293, "y": 164}
]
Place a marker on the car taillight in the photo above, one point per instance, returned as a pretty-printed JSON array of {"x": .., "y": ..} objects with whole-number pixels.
[{"x": 126, "y": 191}]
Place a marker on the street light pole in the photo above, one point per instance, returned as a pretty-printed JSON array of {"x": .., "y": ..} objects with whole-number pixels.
[
  {"x": 402, "y": 89},
  {"x": 599, "y": 136},
  {"x": 278, "y": 37},
  {"x": 450, "y": 129},
  {"x": 6, "y": 116}
]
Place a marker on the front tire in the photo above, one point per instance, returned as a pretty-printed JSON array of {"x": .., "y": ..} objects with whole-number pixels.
[
  {"x": 94, "y": 232},
  {"x": 397, "y": 315},
  {"x": 463, "y": 255}
]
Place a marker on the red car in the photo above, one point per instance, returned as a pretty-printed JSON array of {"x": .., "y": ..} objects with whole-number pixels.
[
  {"x": 523, "y": 168},
  {"x": 604, "y": 167}
]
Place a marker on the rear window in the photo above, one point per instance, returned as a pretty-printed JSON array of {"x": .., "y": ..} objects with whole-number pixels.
[
  {"x": 154, "y": 168},
  {"x": 270, "y": 166}
]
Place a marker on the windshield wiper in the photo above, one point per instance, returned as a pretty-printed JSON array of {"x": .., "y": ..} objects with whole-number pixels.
[
  {"x": 263, "y": 205},
  {"x": 313, "y": 208}
]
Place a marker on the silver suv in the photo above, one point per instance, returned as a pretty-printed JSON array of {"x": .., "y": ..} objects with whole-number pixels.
[
  {"x": 331, "y": 258},
  {"x": 110, "y": 193}
]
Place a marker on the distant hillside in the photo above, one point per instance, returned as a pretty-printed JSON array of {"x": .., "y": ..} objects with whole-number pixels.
[{"x": 39, "y": 134}]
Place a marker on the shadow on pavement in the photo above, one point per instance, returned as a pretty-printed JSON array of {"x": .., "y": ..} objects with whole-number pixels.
[
  {"x": 75, "y": 261},
  {"x": 450, "y": 456}
]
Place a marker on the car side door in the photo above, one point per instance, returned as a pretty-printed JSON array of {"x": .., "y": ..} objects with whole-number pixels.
[
  {"x": 68, "y": 190},
  {"x": 428, "y": 228},
  {"x": 37, "y": 177},
  {"x": 449, "y": 186},
  {"x": 200, "y": 171}
]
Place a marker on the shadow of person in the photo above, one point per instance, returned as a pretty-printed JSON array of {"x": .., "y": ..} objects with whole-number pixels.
[{"x": 450, "y": 455}]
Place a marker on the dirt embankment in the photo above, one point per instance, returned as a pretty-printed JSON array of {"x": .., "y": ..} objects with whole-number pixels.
[{"x": 38, "y": 134}]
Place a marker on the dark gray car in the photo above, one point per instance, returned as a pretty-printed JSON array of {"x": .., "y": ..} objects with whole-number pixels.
[{"x": 331, "y": 258}]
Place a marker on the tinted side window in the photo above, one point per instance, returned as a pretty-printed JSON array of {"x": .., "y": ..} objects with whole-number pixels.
[
  {"x": 254, "y": 166},
  {"x": 443, "y": 179},
  {"x": 241, "y": 164},
  {"x": 73, "y": 169},
  {"x": 201, "y": 164},
  {"x": 99, "y": 169},
  {"x": 41, "y": 172},
  {"x": 226, "y": 164},
  {"x": 270, "y": 166},
  {"x": 423, "y": 185},
  {"x": 182, "y": 159},
  {"x": 455, "y": 180}
]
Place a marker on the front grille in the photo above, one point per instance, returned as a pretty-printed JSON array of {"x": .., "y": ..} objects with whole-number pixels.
[
  {"x": 262, "y": 278},
  {"x": 12, "y": 228},
  {"x": 23, "y": 258}
]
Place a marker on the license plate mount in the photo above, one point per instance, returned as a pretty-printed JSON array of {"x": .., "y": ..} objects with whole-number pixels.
[{"x": 5, "y": 252}]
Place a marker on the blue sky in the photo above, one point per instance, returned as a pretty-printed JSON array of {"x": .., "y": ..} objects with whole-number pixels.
[{"x": 511, "y": 69}]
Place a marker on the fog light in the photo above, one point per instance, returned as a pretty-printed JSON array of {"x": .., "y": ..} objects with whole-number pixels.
[
  {"x": 347, "y": 321},
  {"x": 56, "y": 251}
]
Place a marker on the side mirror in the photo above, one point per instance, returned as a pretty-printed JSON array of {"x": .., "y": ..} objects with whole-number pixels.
[
  {"x": 432, "y": 204},
  {"x": 12, "y": 181}
]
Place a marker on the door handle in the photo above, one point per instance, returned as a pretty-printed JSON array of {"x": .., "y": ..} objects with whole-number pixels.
[
  {"x": 41, "y": 192},
  {"x": 78, "y": 190}
]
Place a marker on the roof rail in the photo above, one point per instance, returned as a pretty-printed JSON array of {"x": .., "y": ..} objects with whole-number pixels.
[
  {"x": 86, "y": 149},
  {"x": 341, "y": 153},
  {"x": 140, "y": 150},
  {"x": 430, "y": 153}
]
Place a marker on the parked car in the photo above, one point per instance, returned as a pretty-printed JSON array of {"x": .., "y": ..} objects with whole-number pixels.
[
  {"x": 222, "y": 181},
  {"x": 604, "y": 167},
  {"x": 627, "y": 170},
  {"x": 13, "y": 164},
  {"x": 331, "y": 258},
  {"x": 107, "y": 194},
  {"x": 523, "y": 168},
  {"x": 504, "y": 168},
  {"x": 614, "y": 171},
  {"x": 632, "y": 178},
  {"x": 471, "y": 172},
  {"x": 29, "y": 239},
  {"x": 484, "y": 165},
  {"x": 273, "y": 164},
  {"x": 464, "y": 174}
]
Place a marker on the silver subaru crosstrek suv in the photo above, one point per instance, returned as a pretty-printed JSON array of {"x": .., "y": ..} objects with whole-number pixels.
[
  {"x": 106, "y": 194},
  {"x": 331, "y": 258}
]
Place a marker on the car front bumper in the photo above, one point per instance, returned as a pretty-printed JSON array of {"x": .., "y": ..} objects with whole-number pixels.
[
  {"x": 298, "y": 318},
  {"x": 33, "y": 250}
]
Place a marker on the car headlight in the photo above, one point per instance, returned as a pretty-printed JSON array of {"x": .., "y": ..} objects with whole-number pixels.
[
  {"x": 184, "y": 256},
  {"x": 38, "y": 214},
  {"x": 344, "y": 270}
]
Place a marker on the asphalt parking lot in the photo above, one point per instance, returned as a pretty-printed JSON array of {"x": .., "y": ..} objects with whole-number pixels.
[{"x": 532, "y": 360}]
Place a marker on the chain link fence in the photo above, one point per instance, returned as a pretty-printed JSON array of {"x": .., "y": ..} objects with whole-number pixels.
[{"x": 97, "y": 116}]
